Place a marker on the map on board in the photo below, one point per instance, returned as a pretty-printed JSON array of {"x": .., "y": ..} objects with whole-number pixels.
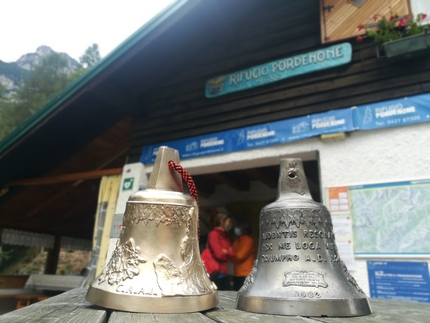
[{"x": 391, "y": 218}]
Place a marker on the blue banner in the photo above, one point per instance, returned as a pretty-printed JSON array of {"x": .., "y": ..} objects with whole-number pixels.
[
  {"x": 385, "y": 114},
  {"x": 263, "y": 135},
  {"x": 393, "y": 113},
  {"x": 278, "y": 70},
  {"x": 399, "y": 280}
]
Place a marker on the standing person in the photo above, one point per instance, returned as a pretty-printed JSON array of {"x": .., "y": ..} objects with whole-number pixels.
[
  {"x": 220, "y": 248},
  {"x": 244, "y": 251}
]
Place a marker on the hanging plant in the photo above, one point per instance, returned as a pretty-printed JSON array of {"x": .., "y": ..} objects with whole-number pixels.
[{"x": 393, "y": 28}]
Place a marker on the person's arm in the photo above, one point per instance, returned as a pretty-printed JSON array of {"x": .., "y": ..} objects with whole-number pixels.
[
  {"x": 231, "y": 254},
  {"x": 215, "y": 247},
  {"x": 245, "y": 250}
]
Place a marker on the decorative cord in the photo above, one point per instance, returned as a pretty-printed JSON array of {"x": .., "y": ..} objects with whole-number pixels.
[{"x": 190, "y": 183}]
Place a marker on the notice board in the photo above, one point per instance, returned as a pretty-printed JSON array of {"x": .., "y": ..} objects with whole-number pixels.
[
  {"x": 387, "y": 218},
  {"x": 407, "y": 281}
]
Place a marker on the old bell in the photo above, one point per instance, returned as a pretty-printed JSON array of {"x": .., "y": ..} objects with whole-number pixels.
[
  {"x": 298, "y": 270},
  {"x": 156, "y": 265}
]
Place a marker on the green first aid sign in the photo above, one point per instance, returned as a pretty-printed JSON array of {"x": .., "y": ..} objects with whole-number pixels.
[{"x": 128, "y": 184}]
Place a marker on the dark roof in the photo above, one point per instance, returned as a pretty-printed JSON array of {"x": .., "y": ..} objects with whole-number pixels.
[
  {"x": 86, "y": 108},
  {"x": 87, "y": 126}
]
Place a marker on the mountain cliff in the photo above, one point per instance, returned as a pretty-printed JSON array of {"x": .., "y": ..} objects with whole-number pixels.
[{"x": 12, "y": 74}]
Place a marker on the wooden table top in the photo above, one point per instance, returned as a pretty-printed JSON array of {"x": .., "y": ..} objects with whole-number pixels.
[{"x": 71, "y": 307}]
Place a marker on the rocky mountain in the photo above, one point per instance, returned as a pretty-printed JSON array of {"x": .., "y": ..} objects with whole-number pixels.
[{"x": 12, "y": 74}]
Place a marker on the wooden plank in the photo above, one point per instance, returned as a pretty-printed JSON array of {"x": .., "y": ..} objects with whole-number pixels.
[
  {"x": 302, "y": 97},
  {"x": 124, "y": 317},
  {"x": 69, "y": 307},
  {"x": 167, "y": 101},
  {"x": 226, "y": 313},
  {"x": 389, "y": 311}
]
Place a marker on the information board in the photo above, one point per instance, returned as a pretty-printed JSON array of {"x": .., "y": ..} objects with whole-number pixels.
[
  {"x": 399, "y": 280},
  {"x": 391, "y": 218}
]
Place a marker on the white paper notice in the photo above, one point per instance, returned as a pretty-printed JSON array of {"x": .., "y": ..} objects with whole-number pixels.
[{"x": 342, "y": 228}]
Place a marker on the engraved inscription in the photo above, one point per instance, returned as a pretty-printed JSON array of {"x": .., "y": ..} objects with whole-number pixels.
[
  {"x": 308, "y": 245},
  {"x": 304, "y": 279},
  {"x": 308, "y": 294},
  {"x": 123, "y": 264},
  {"x": 317, "y": 258},
  {"x": 279, "y": 257},
  {"x": 135, "y": 290},
  {"x": 279, "y": 234},
  {"x": 267, "y": 246}
]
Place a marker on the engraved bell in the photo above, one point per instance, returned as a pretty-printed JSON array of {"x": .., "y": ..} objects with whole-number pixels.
[
  {"x": 156, "y": 265},
  {"x": 298, "y": 270}
]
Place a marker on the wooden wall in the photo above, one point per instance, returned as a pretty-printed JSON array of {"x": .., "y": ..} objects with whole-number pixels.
[{"x": 177, "y": 107}]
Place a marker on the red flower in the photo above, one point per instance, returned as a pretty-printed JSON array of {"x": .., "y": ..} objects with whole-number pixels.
[
  {"x": 360, "y": 27},
  {"x": 408, "y": 16},
  {"x": 360, "y": 38},
  {"x": 375, "y": 17},
  {"x": 392, "y": 18},
  {"x": 423, "y": 16},
  {"x": 402, "y": 22}
]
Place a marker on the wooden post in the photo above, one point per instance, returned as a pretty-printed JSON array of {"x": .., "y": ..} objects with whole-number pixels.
[{"x": 53, "y": 255}]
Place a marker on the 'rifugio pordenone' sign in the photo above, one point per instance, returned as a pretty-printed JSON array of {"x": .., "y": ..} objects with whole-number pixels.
[{"x": 278, "y": 70}]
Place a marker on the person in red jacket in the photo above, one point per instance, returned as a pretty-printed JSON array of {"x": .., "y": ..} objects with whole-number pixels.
[
  {"x": 244, "y": 250},
  {"x": 220, "y": 247}
]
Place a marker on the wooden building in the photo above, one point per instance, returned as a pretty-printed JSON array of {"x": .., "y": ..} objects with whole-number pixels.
[{"x": 151, "y": 90}]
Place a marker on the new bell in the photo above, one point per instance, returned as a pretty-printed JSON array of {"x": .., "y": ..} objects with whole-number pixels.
[
  {"x": 298, "y": 270},
  {"x": 156, "y": 265}
]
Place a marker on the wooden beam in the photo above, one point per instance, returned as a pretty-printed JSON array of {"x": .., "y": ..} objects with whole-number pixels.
[
  {"x": 53, "y": 256},
  {"x": 48, "y": 180}
]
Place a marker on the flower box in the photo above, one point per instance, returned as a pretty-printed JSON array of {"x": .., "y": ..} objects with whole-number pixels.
[{"x": 407, "y": 47}]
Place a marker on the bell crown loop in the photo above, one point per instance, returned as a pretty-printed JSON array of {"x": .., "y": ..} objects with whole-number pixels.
[
  {"x": 162, "y": 176},
  {"x": 292, "y": 180}
]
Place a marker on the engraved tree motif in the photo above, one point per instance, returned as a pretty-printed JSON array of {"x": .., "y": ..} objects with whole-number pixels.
[
  {"x": 123, "y": 264},
  {"x": 350, "y": 278},
  {"x": 250, "y": 278}
]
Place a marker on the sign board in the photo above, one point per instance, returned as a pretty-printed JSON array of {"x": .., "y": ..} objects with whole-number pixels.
[
  {"x": 393, "y": 113},
  {"x": 256, "y": 136},
  {"x": 399, "y": 280},
  {"x": 279, "y": 70}
]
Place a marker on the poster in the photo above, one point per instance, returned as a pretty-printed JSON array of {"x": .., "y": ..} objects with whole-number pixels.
[
  {"x": 338, "y": 205},
  {"x": 399, "y": 280}
]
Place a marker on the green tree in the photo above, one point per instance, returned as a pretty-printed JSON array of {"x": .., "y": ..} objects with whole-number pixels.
[
  {"x": 91, "y": 56},
  {"x": 47, "y": 79}
]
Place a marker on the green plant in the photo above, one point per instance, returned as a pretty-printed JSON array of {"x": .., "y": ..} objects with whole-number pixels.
[{"x": 393, "y": 28}]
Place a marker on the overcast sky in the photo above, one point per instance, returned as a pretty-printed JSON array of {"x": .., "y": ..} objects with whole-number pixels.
[{"x": 70, "y": 26}]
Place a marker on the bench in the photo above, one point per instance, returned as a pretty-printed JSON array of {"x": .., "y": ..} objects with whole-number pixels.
[{"x": 71, "y": 307}]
